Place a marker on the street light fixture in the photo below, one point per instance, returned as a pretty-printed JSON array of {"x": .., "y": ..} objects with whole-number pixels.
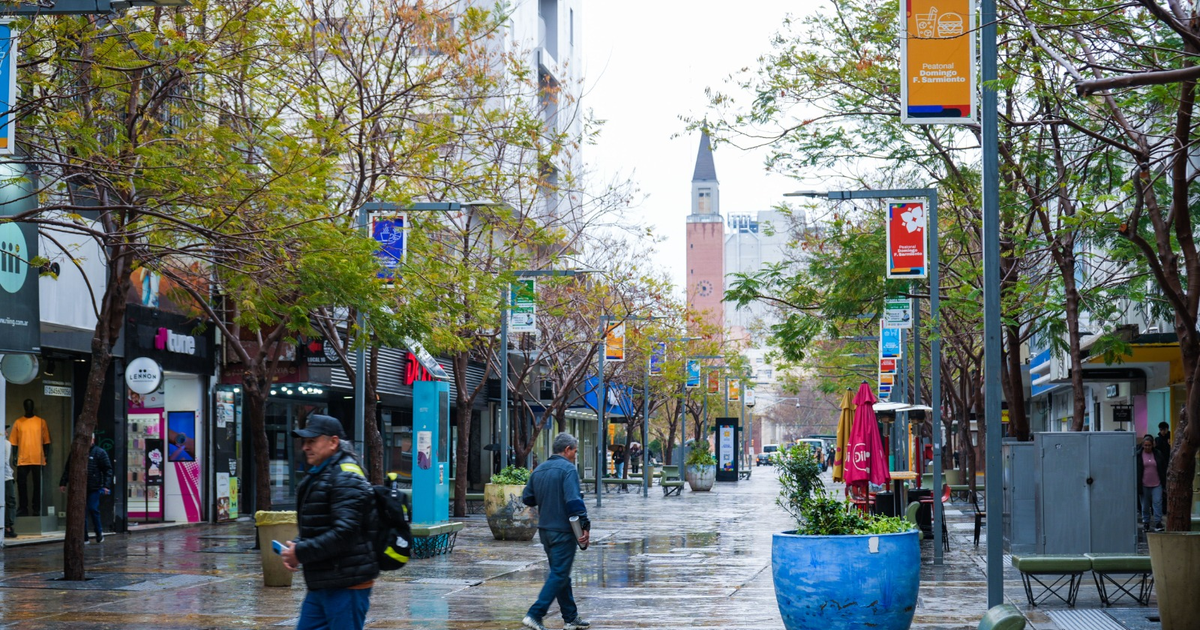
[{"x": 995, "y": 544}]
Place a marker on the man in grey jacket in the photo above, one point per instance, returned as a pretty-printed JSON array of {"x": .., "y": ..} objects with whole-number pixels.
[{"x": 554, "y": 489}]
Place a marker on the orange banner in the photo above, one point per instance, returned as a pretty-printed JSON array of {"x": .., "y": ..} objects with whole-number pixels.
[{"x": 937, "y": 62}]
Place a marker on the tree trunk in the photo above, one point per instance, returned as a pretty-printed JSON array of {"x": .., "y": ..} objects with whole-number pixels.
[
  {"x": 1018, "y": 421},
  {"x": 462, "y": 452},
  {"x": 255, "y": 386},
  {"x": 372, "y": 440},
  {"x": 108, "y": 329},
  {"x": 1071, "y": 292}
]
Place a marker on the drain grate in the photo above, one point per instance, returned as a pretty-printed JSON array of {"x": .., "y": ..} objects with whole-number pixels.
[
  {"x": 1083, "y": 619},
  {"x": 448, "y": 581}
]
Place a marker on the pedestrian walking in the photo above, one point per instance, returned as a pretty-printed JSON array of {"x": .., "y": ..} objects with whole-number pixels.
[
  {"x": 336, "y": 517},
  {"x": 1151, "y": 471},
  {"x": 618, "y": 458},
  {"x": 99, "y": 482},
  {"x": 635, "y": 457},
  {"x": 10, "y": 494},
  {"x": 554, "y": 489}
]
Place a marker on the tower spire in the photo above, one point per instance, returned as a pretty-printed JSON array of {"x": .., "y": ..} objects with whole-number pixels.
[{"x": 705, "y": 170}]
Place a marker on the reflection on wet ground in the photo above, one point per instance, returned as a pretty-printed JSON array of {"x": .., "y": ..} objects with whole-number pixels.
[{"x": 700, "y": 560}]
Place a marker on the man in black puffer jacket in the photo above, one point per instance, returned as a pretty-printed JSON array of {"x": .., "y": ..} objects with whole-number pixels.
[
  {"x": 336, "y": 514},
  {"x": 99, "y": 481}
]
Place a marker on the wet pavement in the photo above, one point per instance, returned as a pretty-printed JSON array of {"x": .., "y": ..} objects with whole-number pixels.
[{"x": 701, "y": 560}]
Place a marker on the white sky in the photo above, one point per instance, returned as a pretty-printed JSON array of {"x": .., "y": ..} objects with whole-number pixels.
[{"x": 647, "y": 62}]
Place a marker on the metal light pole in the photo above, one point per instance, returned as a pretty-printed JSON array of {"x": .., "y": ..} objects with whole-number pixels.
[
  {"x": 646, "y": 414},
  {"x": 504, "y": 299},
  {"x": 360, "y": 355},
  {"x": 935, "y": 385},
  {"x": 602, "y": 401}
]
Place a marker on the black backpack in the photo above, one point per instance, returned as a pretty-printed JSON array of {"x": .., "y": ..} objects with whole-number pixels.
[{"x": 394, "y": 540}]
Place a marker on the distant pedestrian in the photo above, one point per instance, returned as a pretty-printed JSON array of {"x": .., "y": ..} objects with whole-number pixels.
[
  {"x": 336, "y": 517},
  {"x": 10, "y": 495},
  {"x": 1151, "y": 472},
  {"x": 635, "y": 457},
  {"x": 554, "y": 489},
  {"x": 618, "y": 458},
  {"x": 99, "y": 482},
  {"x": 1163, "y": 441}
]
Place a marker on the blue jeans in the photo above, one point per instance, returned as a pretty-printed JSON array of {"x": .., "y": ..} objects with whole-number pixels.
[
  {"x": 1152, "y": 500},
  {"x": 334, "y": 609},
  {"x": 93, "y": 513},
  {"x": 560, "y": 550}
]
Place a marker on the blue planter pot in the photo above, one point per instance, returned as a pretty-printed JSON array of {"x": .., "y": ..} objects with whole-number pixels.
[{"x": 846, "y": 582}]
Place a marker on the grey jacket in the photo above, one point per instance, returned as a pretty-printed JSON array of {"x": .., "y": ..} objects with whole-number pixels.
[{"x": 554, "y": 489}]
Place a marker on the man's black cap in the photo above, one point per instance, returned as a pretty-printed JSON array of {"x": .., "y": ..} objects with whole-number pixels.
[{"x": 320, "y": 425}]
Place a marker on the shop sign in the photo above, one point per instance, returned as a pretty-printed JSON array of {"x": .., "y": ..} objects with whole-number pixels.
[
  {"x": 937, "y": 62},
  {"x": 906, "y": 251},
  {"x": 414, "y": 371},
  {"x": 173, "y": 342},
  {"x": 143, "y": 375},
  {"x": 319, "y": 352},
  {"x": 56, "y": 388},
  {"x": 20, "y": 314}
]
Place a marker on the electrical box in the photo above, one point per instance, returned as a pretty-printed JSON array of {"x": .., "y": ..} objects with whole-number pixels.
[{"x": 1086, "y": 493}]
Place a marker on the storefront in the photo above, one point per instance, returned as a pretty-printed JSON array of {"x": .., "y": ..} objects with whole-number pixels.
[{"x": 168, "y": 446}]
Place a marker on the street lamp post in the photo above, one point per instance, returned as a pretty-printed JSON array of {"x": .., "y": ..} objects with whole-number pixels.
[
  {"x": 601, "y": 400},
  {"x": 360, "y": 356},
  {"x": 935, "y": 342},
  {"x": 504, "y": 299},
  {"x": 646, "y": 414}
]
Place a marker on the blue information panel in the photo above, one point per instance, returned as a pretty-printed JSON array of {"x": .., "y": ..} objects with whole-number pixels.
[{"x": 431, "y": 460}]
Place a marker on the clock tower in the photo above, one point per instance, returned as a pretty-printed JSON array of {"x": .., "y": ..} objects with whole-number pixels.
[{"x": 706, "y": 241}]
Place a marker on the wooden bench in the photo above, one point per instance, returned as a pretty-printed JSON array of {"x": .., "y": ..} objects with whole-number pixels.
[
  {"x": 621, "y": 484},
  {"x": 431, "y": 540},
  {"x": 671, "y": 483},
  {"x": 1132, "y": 570},
  {"x": 1067, "y": 572},
  {"x": 1002, "y": 617}
]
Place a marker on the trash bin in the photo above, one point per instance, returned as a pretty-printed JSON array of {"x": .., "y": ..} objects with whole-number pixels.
[
  {"x": 279, "y": 526},
  {"x": 885, "y": 504}
]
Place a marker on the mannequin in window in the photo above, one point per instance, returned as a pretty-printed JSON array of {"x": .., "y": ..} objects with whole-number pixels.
[{"x": 31, "y": 440}]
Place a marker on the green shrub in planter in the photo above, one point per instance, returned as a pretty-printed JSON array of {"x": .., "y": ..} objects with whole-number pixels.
[
  {"x": 512, "y": 476},
  {"x": 699, "y": 455}
]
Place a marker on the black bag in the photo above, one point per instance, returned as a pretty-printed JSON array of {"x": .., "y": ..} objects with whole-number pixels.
[{"x": 394, "y": 540}]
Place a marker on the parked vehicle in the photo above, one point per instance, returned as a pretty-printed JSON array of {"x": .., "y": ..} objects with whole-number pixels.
[{"x": 764, "y": 458}]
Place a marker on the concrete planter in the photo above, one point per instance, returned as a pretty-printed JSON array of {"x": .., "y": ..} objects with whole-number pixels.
[
  {"x": 1175, "y": 559},
  {"x": 507, "y": 516},
  {"x": 701, "y": 478},
  {"x": 846, "y": 582}
]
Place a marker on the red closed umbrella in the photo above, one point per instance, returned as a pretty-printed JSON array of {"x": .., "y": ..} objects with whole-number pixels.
[{"x": 865, "y": 457}]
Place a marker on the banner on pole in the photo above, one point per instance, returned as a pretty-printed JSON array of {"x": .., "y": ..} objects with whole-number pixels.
[
  {"x": 937, "y": 62},
  {"x": 887, "y": 366},
  {"x": 714, "y": 382},
  {"x": 614, "y": 343},
  {"x": 693, "y": 374},
  {"x": 906, "y": 228},
  {"x": 897, "y": 313},
  {"x": 658, "y": 356},
  {"x": 889, "y": 343},
  {"x": 8, "y": 87},
  {"x": 522, "y": 306},
  {"x": 390, "y": 230},
  {"x": 735, "y": 390}
]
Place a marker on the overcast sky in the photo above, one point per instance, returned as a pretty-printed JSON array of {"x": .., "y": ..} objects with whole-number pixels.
[{"x": 646, "y": 63}]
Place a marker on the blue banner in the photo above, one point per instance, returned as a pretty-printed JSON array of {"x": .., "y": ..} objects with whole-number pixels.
[
  {"x": 693, "y": 374},
  {"x": 658, "y": 356},
  {"x": 889, "y": 343},
  {"x": 390, "y": 231}
]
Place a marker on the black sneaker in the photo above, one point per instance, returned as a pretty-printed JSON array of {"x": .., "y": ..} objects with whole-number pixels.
[
  {"x": 10, "y": 532},
  {"x": 1160, "y": 528},
  {"x": 578, "y": 624}
]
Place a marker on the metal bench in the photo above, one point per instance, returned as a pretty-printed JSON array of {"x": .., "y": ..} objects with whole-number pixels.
[
  {"x": 671, "y": 483},
  {"x": 1132, "y": 571},
  {"x": 745, "y": 473},
  {"x": 1067, "y": 572},
  {"x": 621, "y": 484},
  {"x": 431, "y": 540}
]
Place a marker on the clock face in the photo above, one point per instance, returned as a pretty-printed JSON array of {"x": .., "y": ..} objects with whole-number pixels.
[{"x": 704, "y": 288}]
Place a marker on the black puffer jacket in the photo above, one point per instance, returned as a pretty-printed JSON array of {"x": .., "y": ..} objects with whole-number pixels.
[
  {"x": 336, "y": 514},
  {"x": 99, "y": 469}
]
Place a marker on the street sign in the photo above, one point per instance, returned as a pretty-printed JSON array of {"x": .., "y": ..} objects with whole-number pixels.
[
  {"x": 937, "y": 62},
  {"x": 522, "y": 306},
  {"x": 897, "y": 313},
  {"x": 906, "y": 248}
]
